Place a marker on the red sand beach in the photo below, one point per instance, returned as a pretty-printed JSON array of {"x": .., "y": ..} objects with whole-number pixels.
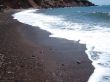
[{"x": 28, "y": 54}]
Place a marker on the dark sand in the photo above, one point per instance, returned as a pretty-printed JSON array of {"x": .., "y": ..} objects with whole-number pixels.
[{"x": 27, "y": 54}]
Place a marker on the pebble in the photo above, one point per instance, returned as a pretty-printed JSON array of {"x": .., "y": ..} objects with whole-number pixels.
[
  {"x": 62, "y": 64},
  {"x": 78, "y": 62},
  {"x": 17, "y": 81}
]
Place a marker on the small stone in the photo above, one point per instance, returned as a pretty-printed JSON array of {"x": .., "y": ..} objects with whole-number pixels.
[
  {"x": 38, "y": 64},
  {"x": 25, "y": 58},
  {"x": 33, "y": 56},
  {"x": 22, "y": 65},
  {"x": 1, "y": 81},
  {"x": 17, "y": 81},
  {"x": 41, "y": 51},
  {"x": 62, "y": 64},
  {"x": 9, "y": 72},
  {"x": 78, "y": 62},
  {"x": 46, "y": 81},
  {"x": 50, "y": 48}
]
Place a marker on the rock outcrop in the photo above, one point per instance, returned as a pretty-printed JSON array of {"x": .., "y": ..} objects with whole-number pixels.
[{"x": 15, "y": 4}]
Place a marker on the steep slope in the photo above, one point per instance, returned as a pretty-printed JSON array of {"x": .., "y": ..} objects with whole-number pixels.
[
  {"x": 15, "y": 4},
  {"x": 32, "y": 3}
]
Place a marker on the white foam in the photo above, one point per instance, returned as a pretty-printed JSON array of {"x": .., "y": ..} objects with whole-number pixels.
[
  {"x": 109, "y": 13},
  {"x": 97, "y": 40}
]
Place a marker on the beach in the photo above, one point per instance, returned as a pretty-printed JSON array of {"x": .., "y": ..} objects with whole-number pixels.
[{"x": 28, "y": 54}]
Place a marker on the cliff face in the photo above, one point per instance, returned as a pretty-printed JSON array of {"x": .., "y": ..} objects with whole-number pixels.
[{"x": 15, "y": 4}]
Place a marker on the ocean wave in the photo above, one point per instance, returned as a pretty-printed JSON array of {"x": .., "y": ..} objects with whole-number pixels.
[{"x": 104, "y": 15}]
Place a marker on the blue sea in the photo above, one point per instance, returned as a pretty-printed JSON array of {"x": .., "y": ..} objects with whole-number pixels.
[{"x": 88, "y": 25}]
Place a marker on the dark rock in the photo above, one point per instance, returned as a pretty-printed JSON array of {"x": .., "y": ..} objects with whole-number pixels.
[{"x": 78, "y": 62}]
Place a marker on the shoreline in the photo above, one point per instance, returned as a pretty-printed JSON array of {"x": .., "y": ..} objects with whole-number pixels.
[{"x": 30, "y": 55}]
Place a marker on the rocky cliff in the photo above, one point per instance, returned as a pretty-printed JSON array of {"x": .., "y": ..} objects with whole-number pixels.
[{"x": 15, "y": 4}]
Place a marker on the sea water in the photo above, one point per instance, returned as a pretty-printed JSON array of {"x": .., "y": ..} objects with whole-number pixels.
[{"x": 88, "y": 25}]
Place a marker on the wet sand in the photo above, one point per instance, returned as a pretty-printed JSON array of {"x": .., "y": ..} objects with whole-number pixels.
[{"x": 28, "y": 54}]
